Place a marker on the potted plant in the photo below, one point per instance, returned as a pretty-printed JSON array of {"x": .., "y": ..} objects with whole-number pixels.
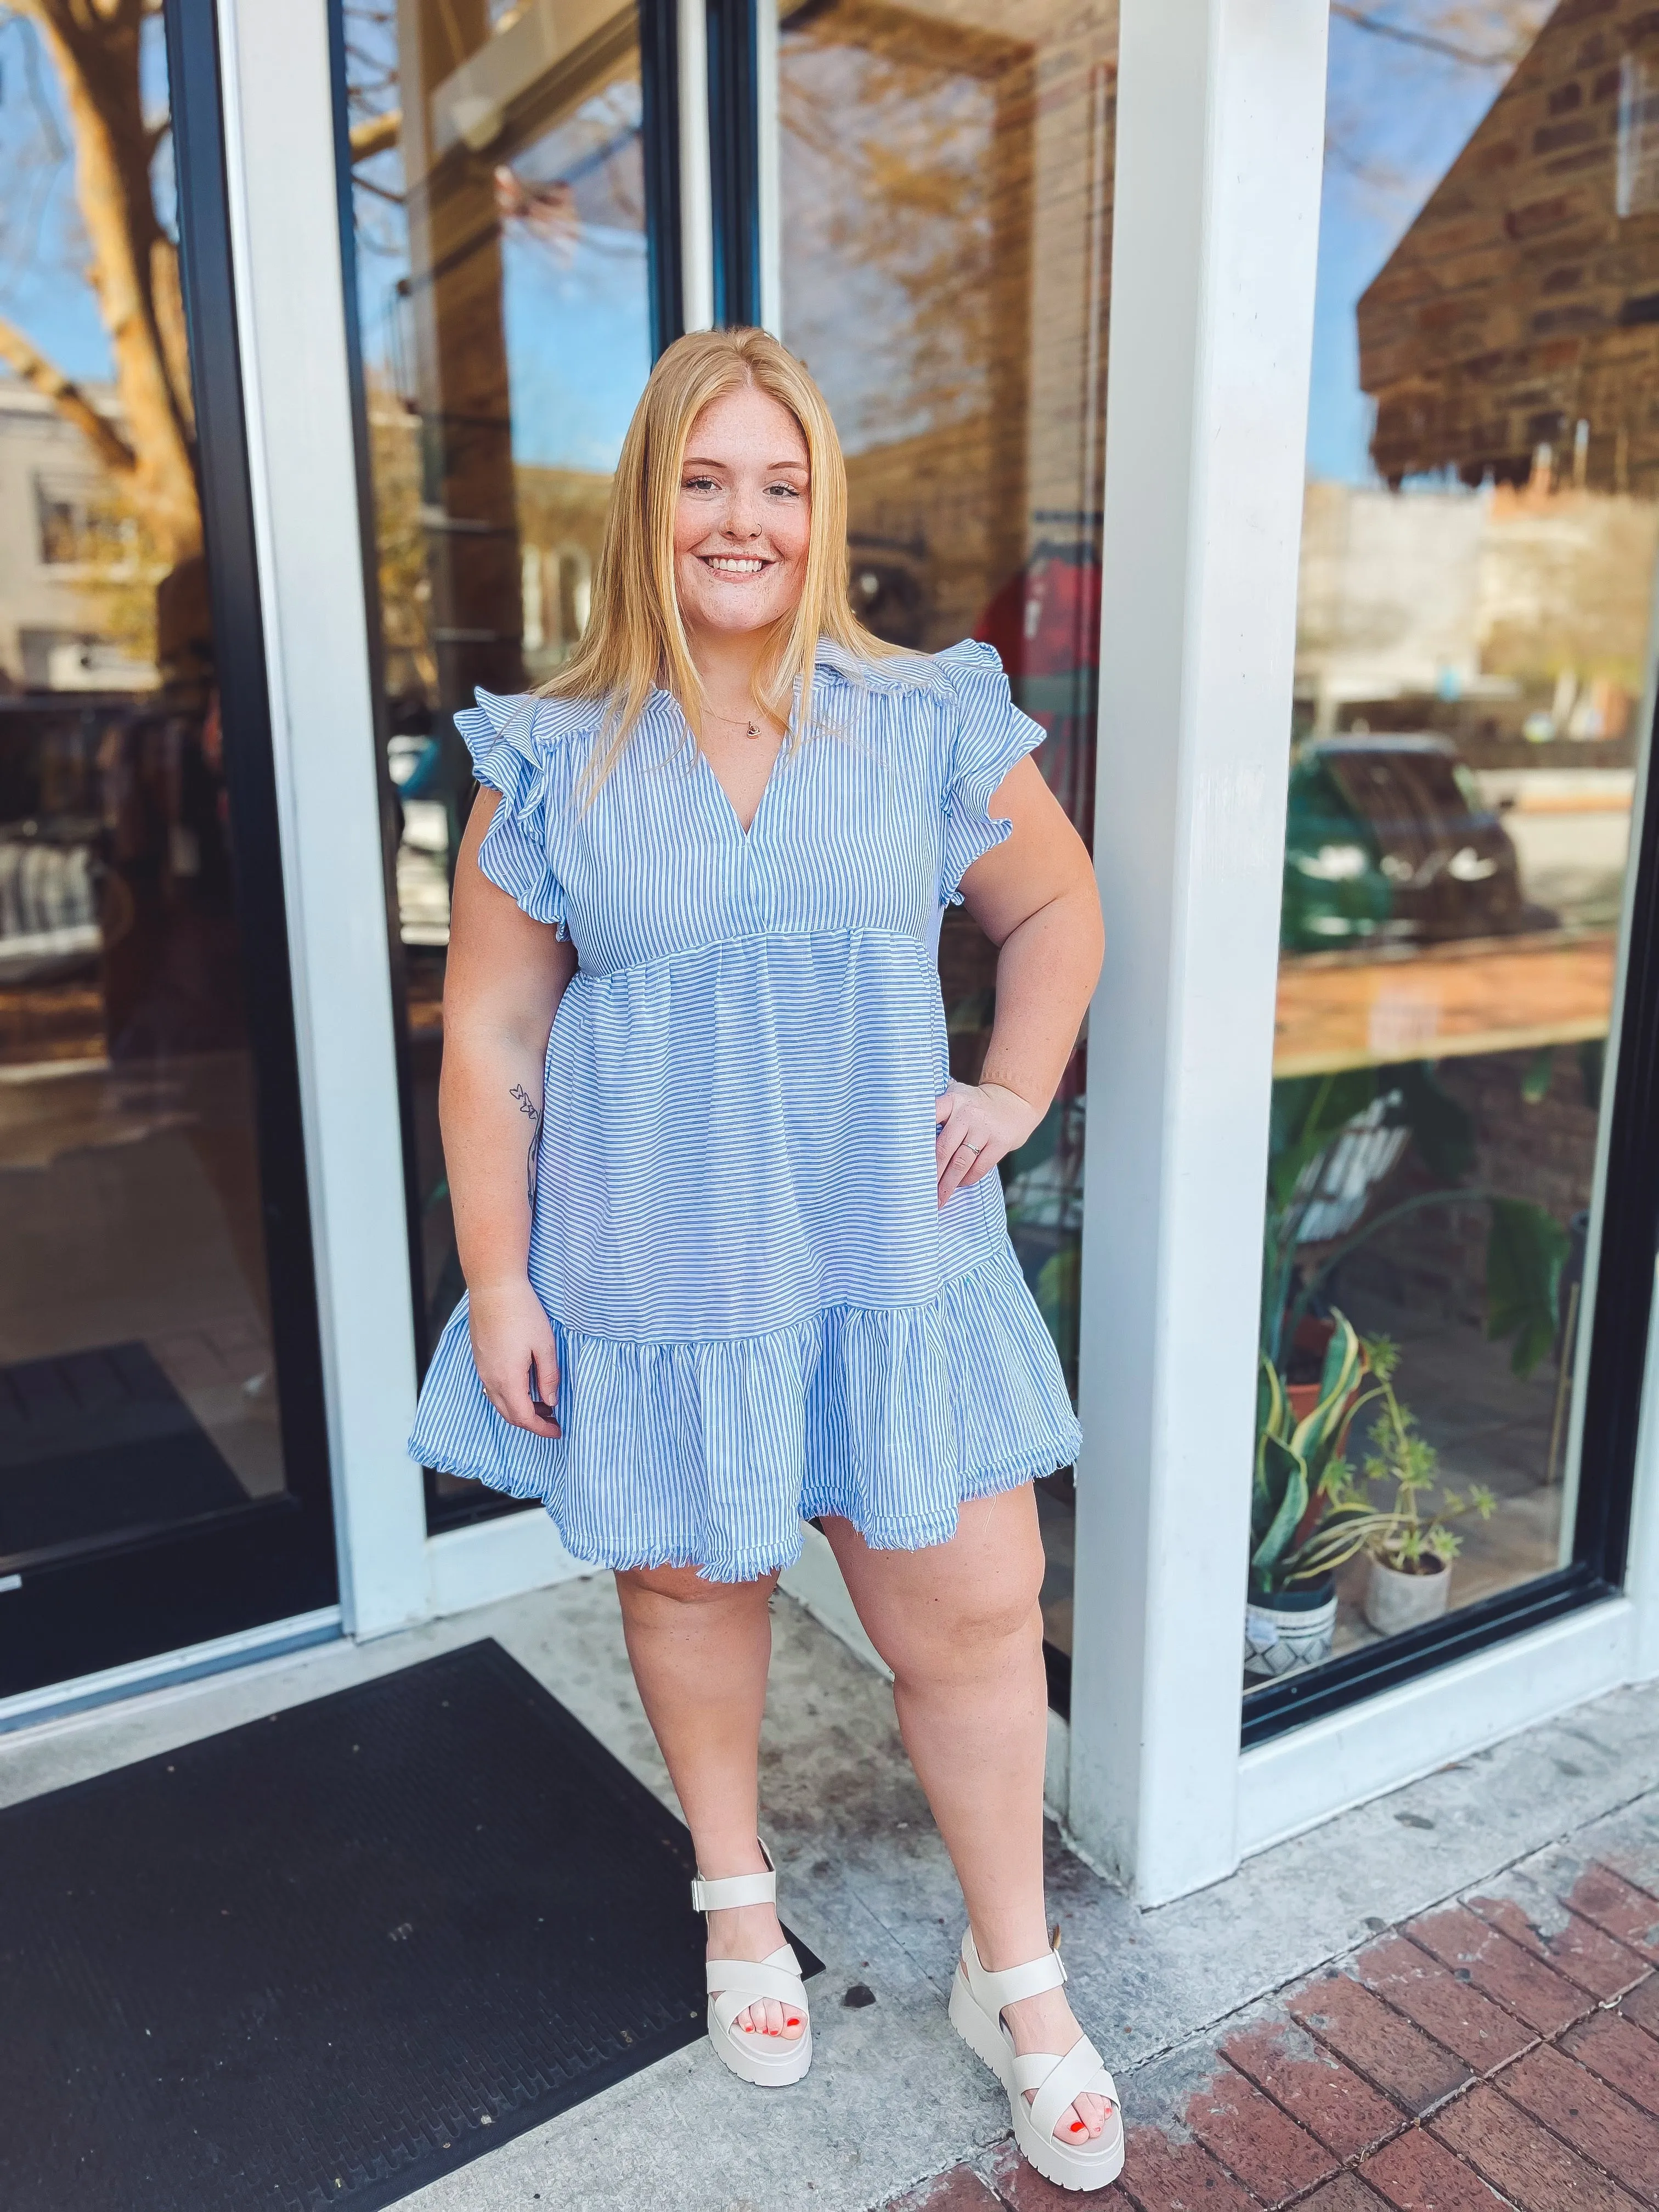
[
  {"x": 1334, "y": 1141},
  {"x": 1290, "y": 1609},
  {"x": 1410, "y": 1547}
]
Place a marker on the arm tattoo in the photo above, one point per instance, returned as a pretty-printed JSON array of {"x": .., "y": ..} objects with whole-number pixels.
[{"x": 526, "y": 1104}]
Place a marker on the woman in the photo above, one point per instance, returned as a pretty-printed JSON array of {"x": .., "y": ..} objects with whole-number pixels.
[{"x": 734, "y": 1243}]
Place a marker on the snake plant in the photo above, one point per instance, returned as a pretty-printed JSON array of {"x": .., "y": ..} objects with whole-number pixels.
[{"x": 1300, "y": 1473}]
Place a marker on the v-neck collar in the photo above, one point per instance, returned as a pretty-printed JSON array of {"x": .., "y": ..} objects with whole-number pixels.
[
  {"x": 724, "y": 796},
  {"x": 701, "y": 760}
]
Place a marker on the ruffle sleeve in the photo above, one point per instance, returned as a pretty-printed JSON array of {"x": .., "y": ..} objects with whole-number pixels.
[
  {"x": 990, "y": 736},
  {"x": 500, "y": 735}
]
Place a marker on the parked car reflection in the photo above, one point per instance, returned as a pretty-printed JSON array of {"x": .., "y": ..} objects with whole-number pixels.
[{"x": 1389, "y": 838}]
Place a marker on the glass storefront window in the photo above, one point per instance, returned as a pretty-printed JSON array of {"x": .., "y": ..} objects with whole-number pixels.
[
  {"x": 946, "y": 189},
  {"x": 1473, "y": 645},
  {"x": 139, "y": 1394},
  {"x": 503, "y": 297}
]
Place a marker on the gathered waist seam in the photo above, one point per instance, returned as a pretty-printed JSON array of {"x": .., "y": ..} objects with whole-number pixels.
[
  {"x": 817, "y": 1314},
  {"x": 922, "y": 944}
]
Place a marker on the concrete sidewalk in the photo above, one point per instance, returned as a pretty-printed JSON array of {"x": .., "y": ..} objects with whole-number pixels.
[{"x": 893, "y": 2099}]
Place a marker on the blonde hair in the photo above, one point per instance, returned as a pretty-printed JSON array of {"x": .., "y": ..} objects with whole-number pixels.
[{"x": 635, "y": 641}]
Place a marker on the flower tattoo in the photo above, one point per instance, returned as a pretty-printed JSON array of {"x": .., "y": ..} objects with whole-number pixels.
[{"x": 526, "y": 1104}]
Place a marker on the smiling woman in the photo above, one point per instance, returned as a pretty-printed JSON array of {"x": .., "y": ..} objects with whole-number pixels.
[
  {"x": 765, "y": 1275},
  {"x": 744, "y": 550}
]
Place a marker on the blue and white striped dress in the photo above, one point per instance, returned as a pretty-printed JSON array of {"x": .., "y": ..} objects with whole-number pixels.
[{"x": 762, "y": 1313}]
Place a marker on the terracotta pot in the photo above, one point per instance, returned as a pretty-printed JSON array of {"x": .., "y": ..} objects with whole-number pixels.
[
  {"x": 1303, "y": 1397},
  {"x": 1395, "y": 1601},
  {"x": 1289, "y": 1631}
]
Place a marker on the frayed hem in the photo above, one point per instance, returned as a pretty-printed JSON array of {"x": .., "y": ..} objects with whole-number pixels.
[
  {"x": 728, "y": 1573},
  {"x": 1027, "y": 1468},
  {"x": 899, "y": 1535},
  {"x": 492, "y": 1478},
  {"x": 888, "y": 1535}
]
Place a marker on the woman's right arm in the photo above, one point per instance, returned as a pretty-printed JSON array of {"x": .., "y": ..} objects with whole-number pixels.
[{"x": 505, "y": 976}]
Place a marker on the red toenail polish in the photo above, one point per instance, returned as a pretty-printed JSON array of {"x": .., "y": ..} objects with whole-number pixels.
[
  {"x": 1077, "y": 2127},
  {"x": 794, "y": 2022}
]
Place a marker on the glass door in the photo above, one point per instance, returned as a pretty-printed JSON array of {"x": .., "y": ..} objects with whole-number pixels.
[
  {"x": 513, "y": 205},
  {"x": 944, "y": 217},
  {"x": 163, "y": 1470},
  {"x": 1459, "y": 1223}
]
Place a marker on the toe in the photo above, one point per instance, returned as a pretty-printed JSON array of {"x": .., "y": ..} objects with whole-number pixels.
[
  {"x": 1093, "y": 2112},
  {"x": 1084, "y": 2122}
]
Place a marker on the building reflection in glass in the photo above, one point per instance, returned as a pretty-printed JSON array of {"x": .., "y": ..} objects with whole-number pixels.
[{"x": 1474, "y": 648}]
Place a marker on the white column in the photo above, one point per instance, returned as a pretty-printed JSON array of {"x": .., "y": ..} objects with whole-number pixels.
[
  {"x": 696, "y": 189},
  {"x": 1219, "y": 132},
  {"x": 1641, "y": 1574},
  {"x": 280, "y": 154},
  {"x": 768, "y": 183}
]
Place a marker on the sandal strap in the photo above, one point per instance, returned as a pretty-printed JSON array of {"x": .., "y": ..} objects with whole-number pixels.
[
  {"x": 1081, "y": 2070},
  {"x": 992, "y": 1991},
  {"x": 728, "y": 1891},
  {"x": 1033, "y": 2067},
  {"x": 733, "y": 1889},
  {"x": 745, "y": 1982}
]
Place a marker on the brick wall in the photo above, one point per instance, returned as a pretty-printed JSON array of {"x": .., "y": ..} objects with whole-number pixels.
[{"x": 1521, "y": 301}]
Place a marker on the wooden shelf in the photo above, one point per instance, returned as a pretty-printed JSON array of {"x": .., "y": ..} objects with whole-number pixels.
[{"x": 1435, "y": 1002}]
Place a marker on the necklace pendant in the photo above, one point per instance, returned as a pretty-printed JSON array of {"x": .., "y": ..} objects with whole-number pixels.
[{"x": 753, "y": 731}]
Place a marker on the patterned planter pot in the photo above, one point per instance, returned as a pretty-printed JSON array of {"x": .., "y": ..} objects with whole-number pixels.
[
  {"x": 1289, "y": 1632},
  {"x": 1394, "y": 1602}
]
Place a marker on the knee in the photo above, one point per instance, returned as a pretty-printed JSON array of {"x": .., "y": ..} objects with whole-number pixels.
[{"x": 981, "y": 1625}]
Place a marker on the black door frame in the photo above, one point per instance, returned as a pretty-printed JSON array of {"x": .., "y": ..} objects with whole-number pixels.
[
  {"x": 734, "y": 157},
  {"x": 163, "y": 1588}
]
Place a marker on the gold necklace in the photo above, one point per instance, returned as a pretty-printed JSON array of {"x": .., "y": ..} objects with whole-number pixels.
[{"x": 750, "y": 730}]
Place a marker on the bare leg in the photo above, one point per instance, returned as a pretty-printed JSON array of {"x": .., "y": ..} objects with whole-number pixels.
[
  {"x": 959, "y": 1625},
  {"x": 700, "y": 1651}
]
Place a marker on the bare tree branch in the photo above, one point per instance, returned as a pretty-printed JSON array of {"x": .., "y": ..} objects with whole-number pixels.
[
  {"x": 1368, "y": 19},
  {"x": 375, "y": 133},
  {"x": 95, "y": 47},
  {"x": 167, "y": 298},
  {"x": 33, "y": 367}
]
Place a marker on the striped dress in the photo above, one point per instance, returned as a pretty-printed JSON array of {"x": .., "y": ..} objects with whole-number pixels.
[{"x": 762, "y": 1312}]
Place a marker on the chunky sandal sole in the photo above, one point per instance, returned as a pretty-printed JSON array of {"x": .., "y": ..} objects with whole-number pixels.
[
  {"x": 761, "y": 2070},
  {"x": 1095, "y": 2168}
]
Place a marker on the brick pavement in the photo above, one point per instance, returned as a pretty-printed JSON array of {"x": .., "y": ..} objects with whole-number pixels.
[{"x": 1481, "y": 2055}]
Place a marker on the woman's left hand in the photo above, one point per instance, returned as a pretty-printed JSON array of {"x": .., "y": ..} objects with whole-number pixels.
[{"x": 980, "y": 1123}]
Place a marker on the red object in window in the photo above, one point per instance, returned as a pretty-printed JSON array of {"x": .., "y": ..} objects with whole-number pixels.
[{"x": 1045, "y": 621}]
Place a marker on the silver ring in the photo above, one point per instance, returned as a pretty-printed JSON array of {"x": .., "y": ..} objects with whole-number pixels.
[{"x": 974, "y": 1149}]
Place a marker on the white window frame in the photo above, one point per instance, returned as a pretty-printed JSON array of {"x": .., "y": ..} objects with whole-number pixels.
[
  {"x": 1220, "y": 145},
  {"x": 285, "y": 236}
]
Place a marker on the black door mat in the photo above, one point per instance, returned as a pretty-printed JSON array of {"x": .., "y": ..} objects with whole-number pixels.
[
  {"x": 93, "y": 1442},
  {"x": 325, "y": 1958}
]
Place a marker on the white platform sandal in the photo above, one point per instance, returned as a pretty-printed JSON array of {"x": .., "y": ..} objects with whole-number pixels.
[
  {"x": 977, "y": 2001},
  {"x": 772, "y": 2062}
]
